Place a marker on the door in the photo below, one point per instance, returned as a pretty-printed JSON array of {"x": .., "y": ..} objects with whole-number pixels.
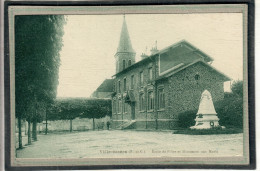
[{"x": 133, "y": 111}]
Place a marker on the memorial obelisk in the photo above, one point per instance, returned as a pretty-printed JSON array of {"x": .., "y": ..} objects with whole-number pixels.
[{"x": 206, "y": 117}]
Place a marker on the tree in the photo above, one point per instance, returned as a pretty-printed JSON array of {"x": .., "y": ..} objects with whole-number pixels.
[
  {"x": 70, "y": 108},
  {"x": 97, "y": 108},
  {"x": 38, "y": 41},
  {"x": 37, "y": 117},
  {"x": 237, "y": 88},
  {"x": 65, "y": 109},
  {"x": 230, "y": 110}
]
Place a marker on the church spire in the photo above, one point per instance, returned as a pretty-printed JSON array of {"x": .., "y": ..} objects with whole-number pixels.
[
  {"x": 125, "y": 54},
  {"x": 125, "y": 44}
]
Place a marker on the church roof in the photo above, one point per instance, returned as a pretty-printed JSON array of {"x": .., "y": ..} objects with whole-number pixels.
[
  {"x": 106, "y": 86},
  {"x": 125, "y": 44}
]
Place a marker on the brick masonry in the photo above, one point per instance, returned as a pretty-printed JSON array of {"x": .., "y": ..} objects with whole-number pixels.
[{"x": 182, "y": 93}]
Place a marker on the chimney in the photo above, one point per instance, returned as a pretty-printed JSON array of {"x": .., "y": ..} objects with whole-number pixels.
[
  {"x": 143, "y": 56},
  {"x": 154, "y": 49}
]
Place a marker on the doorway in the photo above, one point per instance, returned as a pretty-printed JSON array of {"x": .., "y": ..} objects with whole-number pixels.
[{"x": 133, "y": 111}]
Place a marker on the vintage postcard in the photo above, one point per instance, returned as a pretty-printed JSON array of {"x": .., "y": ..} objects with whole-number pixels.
[{"x": 129, "y": 85}]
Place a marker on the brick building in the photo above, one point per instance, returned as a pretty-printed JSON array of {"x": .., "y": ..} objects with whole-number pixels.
[{"x": 150, "y": 94}]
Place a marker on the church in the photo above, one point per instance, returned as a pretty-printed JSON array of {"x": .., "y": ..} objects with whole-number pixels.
[{"x": 151, "y": 93}]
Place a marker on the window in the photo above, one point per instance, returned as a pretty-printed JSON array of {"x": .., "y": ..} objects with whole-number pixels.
[
  {"x": 150, "y": 71},
  {"x": 141, "y": 78},
  {"x": 119, "y": 86},
  {"x": 142, "y": 107},
  {"x": 124, "y": 84},
  {"x": 124, "y": 108},
  {"x": 150, "y": 100},
  {"x": 161, "y": 98},
  {"x": 114, "y": 106},
  {"x": 132, "y": 81},
  {"x": 129, "y": 63},
  {"x": 123, "y": 64},
  {"x": 114, "y": 87},
  {"x": 119, "y": 106},
  {"x": 197, "y": 77}
]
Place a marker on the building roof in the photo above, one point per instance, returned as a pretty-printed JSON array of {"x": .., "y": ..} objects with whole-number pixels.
[
  {"x": 175, "y": 46},
  {"x": 106, "y": 86},
  {"x": 194, "y": 49},
  {"x": 184, "y": 66},
  {"x": 125, "y": 44}
]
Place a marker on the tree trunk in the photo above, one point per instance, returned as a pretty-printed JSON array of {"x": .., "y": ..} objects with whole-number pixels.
[
  {"x": 20, "y": 132},
  {"x": 25, "y": 128},
  {"x": 93, "y": 123},
  {"x": 34, "y": 130},
  {"x": 71, "y": 125},
  {"x": 146, "y": 121},
  {"x": 29, "y": 133},
  {"x": 46, "y": 126}
]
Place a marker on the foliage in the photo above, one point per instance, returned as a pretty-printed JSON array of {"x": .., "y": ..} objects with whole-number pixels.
[
  {"x": 70, "y": 108},
  {"x": 186, "y": 119},
  {"x": 38, "y": 41},
  {"x": 230, "y": 112},
  {"x": 237, "y": 88}
]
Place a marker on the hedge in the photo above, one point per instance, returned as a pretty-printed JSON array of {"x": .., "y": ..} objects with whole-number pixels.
[{"x": 216, "y": 130}]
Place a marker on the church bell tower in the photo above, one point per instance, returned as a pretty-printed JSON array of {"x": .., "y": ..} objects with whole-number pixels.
[{"x": 125, "y": 55}]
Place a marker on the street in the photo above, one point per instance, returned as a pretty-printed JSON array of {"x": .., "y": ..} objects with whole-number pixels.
[{"x": 118, "y": 143}]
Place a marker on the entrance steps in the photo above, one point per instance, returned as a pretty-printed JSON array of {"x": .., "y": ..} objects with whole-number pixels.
[{"x": 127, "y": 125}]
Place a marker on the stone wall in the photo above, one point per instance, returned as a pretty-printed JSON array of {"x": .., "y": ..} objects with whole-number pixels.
[
  {"x": 137, "y": 90},
  {"x": 78, "y": 124},
  {"x": 184, "y": 91}
]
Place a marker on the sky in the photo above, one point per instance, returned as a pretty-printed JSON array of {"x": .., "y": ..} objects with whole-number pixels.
[{"x": 90, "y": 43}]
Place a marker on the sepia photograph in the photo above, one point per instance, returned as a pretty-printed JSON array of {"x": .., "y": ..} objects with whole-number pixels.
[{"x": 128, "y": 85}]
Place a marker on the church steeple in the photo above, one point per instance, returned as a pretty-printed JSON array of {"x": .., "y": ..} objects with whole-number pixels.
[
  {"x": 125, "y": 55},
  {"x": 125, "y": 44}
]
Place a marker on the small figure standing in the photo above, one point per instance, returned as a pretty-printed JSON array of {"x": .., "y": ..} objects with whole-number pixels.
[{"x": 108, "y": 124}]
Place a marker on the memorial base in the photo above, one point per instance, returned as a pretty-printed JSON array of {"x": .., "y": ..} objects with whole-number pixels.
[{"x": 206, "y": 121}]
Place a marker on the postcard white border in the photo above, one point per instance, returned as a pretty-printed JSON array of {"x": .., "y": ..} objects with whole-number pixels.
[{"x": 169, "y": 9}]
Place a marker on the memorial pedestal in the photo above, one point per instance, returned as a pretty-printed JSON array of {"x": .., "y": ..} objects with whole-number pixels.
[{"x": 206, "y": 117}]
